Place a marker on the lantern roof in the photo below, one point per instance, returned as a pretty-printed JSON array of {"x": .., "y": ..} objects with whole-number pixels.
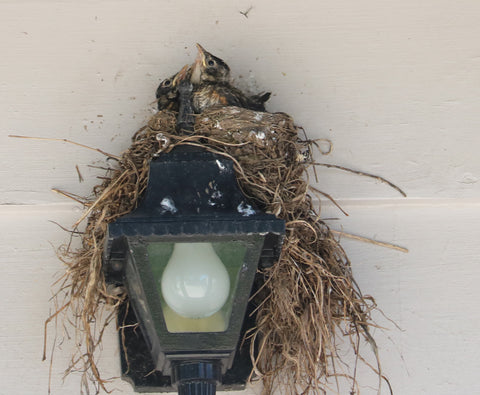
[{"x": 193, "y": 191}]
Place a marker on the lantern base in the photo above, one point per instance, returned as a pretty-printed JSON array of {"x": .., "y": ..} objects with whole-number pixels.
[
  {"x": 139, "y": 370},
  {"x": 197, "y": 377}
]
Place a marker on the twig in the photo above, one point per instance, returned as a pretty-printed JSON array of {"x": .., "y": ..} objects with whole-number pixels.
[
  {"x": 65, "y": 229},
  {"x": 329, "y": 198},
  {"x": 362, "y": 173},
  {"x": 80, "y": 177},
  {"x": 50, "y": 367},
  {"x": 100, "y": 167},
  {"x": 105, "y": 192},
  {"x": 66, "y": 141},
  {"x": 371, "y": 241},
  {"x": 45, "y": 328},
  {"x": 323, "y": 152},
  {"x": 69, "y": 195}
]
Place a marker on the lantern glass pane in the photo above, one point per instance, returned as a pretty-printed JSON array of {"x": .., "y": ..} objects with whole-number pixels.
[{"x": 207, "y": 271}]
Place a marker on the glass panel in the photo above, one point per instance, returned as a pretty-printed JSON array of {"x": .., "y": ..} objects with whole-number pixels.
[{"x": 196, "y": 283}]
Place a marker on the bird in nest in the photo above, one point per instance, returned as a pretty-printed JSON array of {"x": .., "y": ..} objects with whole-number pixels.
[
  {"x": 167, "y": 91},
  {"x": 210, "y": 80},
  {"x": 210, "y": 77}
]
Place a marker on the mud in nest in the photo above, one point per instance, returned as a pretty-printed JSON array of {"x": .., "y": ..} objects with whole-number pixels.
[{"x": 309, "y": 298}]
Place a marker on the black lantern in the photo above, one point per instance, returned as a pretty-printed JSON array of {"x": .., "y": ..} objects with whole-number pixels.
[{"x": 188, "y": 256}]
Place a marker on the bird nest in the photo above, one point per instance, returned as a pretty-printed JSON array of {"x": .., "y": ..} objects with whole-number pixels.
[{"x": 307, "y": 300}]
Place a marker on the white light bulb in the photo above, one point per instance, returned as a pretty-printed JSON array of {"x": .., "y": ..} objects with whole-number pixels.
[{"x": 195, "y": 283}]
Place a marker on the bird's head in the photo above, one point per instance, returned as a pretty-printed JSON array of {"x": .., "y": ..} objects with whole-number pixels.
[
  {"x": 209, "y": 68},
  {"x": 167, "y": 90},
  {"x": 169, "y": 85}
]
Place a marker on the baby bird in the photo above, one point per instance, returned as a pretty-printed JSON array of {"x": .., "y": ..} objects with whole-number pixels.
[
  {"x": 210, "y": 77},
  {"x": 209, "y": 95},
  {"x": 167, "y": 91}
]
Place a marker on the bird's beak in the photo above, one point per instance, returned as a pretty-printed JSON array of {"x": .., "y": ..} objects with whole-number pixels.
[
  {"x": 181, "y": 75},
  {"x": 201, "y": 55}
]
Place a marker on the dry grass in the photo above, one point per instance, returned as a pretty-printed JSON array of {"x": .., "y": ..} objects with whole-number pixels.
[{"x": 309, "y": 298}]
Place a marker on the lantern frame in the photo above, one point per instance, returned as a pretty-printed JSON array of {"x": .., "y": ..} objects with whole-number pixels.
[{"x": 192, "y": 196}]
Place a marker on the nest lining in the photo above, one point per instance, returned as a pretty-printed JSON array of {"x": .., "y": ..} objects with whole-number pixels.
[{"x": 308, "y": 299}]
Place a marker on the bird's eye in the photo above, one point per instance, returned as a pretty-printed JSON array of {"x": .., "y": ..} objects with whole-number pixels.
[
  {"x": 166, "y": 82},
  {"x": 211, "y": 62}
]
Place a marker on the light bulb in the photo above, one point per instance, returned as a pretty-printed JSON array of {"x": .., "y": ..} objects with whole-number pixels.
[{"x": 195, "y": 283}]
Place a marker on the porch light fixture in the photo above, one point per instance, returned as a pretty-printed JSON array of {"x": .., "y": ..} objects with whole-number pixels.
[{"x": 188, "y": 256}]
